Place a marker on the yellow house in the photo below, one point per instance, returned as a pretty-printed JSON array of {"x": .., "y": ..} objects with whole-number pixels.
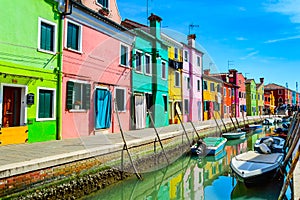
[
  {"x": 212, "y": 96},
  {"x": 260, "y": 100},
  {"x": 174, "y": 78}
]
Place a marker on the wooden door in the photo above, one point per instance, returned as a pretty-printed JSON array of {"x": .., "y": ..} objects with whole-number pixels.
[{"x": 11, "y": 106}]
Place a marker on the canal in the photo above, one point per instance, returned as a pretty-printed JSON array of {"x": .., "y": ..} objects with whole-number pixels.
[{"x": 195, "y": 178}]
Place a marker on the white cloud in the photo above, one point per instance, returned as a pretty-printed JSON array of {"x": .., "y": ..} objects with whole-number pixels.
[
  {"x": 241, "y": 38},
  {"x": 286, "y": 7},
  {"x": 242, "y": 8},
  {"x": 249, "y": 55},
  {"x": 283, "y": 39}
]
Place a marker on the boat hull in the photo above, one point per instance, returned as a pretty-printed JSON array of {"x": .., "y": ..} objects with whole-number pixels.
[
  {"x": 234, "y": 135},
  {"x": 212, "y": 148}
]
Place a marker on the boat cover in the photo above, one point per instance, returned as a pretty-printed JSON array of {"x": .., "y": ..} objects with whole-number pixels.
[{"x": 252, "y": 156}]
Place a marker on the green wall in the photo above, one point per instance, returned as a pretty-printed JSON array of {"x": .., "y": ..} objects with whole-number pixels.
[
  {"x": 251, "y": 98},
  {"x": 21, "y": 61}
]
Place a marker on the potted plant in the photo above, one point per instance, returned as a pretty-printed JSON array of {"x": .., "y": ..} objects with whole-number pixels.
[
  {"x": 104, "y": 11},
  {"x": 77, "y": 105}
]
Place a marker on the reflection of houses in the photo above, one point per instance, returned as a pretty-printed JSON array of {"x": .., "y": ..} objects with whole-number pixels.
[
  {"x": 193, "y": 183},
  {"x": 96, "y": 72},
  {"x": 214, "y": 167},
  {"x": 251, "y": 97},
  {"x": 29, "y": 71},
  {"x": 260, "y": 97},
  {"x": 191, "y": 81},
  {"x": 212, "y": 96}
]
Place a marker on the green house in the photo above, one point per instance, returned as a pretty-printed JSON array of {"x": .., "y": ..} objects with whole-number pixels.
[
  {"x": 251, "y": 94},
  {"x": 29, "y": 66}
]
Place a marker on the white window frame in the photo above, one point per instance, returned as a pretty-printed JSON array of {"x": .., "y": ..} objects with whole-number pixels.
[
  {"x": 53, "y": 106},
  {"x": 150, "y": 64},
  {"x": 78, "y": 82},
  {"x": 141, "y": 64},
  {"x": 99, "y": 4},
  {"x": 79, "y": 36},
  {"x": 188, "y": 83},
  {"x": 186, "y": 56},
  {"x": 127, "y": 55},
  {"x": 115, "y": 96},
  {"x": 198, "y": 61},
  {"x": 165, "y": 70},
  {"x": 186, "y": 106},
  {"x": 176, "y": 52},
  {"x": 198, "y": 85},
  {"x": 40, "y": 20},
  {"x": 177, "y": 74}
]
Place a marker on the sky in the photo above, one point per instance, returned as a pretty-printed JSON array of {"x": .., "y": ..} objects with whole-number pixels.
[{"x": 259, "y": 38}]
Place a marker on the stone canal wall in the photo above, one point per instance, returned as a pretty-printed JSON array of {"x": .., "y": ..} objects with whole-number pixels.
[{"x": 74, "y": 176}]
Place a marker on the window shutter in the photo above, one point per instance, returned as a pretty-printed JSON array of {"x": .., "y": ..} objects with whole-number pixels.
[
  {"x": 87, "y": 94},
  {"x": 41, "y": 104},
  {"x": 70, "y": 88}
]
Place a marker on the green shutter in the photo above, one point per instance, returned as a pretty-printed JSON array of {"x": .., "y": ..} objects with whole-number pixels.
[
  {"x": 87, "y": 94},
  {"x": 48, "y": 104},
  {"x": 70, "y": 88},
  {"x": 47, "y": 36},
  {"x": 41, "y": 104},
  {"x": 72, "y": 37}
]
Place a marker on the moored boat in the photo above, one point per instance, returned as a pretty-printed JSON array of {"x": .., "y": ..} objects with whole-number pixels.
[
  {"x": 214, "y": 145},
  {"x": 269, "y": 121},
  {"x": 254, "y": 168},
  {"x": 274, "y": 143},
  {"x": 234, "y": 135}
]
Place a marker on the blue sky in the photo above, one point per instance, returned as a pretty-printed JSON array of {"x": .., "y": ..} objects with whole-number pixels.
[{"x": 260, "y": 38}]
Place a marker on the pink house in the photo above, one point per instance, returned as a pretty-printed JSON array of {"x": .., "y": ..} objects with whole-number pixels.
[
  {"x": 242, "y": 94},
  {"x": 192, "y": 81},
  {"x": 96, "y": 73}
]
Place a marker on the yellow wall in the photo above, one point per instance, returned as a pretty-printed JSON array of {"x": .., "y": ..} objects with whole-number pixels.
[{"x": 209, "y": 95}]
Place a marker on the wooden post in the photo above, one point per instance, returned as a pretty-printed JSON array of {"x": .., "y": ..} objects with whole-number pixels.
[
  {"x": 124, "y": 141},
  {"x": 222, "y": 122},
  {"x": 237, "y": 122},
  {"x": 183, "y": 128},
  {"x": 150, "y": 115},
  {"x": 232, "y": 122},
  {"x": 244, "y": 119},
  {"x": 217, "y": 123},
  {"x": 290, "y": 174}
]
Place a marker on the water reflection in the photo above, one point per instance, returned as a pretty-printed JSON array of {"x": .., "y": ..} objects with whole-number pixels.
[{"x": 194, "y": 178}]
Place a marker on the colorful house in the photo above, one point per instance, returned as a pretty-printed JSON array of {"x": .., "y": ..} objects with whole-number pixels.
[
  {"x": 29, "y": 71},
  {"x": 150, "y": 73},
  {"x": 175, "y": 66},
  {"x": 191, "y": 81},
  {"x": 242, "y": 95},
  {"x": 280, "y": 93},
  {"x": 251, "y": 97},
  {"x": 260, "y": 100},
  {"x": 96, "y": 84},
  {"x": 269, "y": 103},
  {"x": 212, "y": 96}
]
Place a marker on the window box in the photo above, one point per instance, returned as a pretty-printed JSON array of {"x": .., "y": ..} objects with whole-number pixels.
[{"x": 104, "y": 11}]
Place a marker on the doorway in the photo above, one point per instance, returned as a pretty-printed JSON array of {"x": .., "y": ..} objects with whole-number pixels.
[{"x": 11, "y": 107}]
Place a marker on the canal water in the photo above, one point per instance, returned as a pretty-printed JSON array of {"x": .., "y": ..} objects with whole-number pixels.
[{"x": 196, "y": 178}]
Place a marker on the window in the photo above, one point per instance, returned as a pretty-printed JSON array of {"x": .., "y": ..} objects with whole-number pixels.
[
  {"x": 148, "y": 65},
  {"x": 163, "y": 70},
  {"x": 124, "y": 55},
  {"x": 138, "y": 61},
  {"x": 47, "y": 36},
  {"x": 103, "y": 3},
  {"x": 198, "y": 61},
  {"x": 186, "y": 56},
  {"x": 198, "y": 85},
  {"x": 186, "y": 106},
  {"x": 225, "y": 109},
  {"x": 78, "y": 95},
  {"x": 74, "y": 36},
  {"x": 165, "y": 98},
  {"x": 240, "y": 94},
  {"x": 176, "y": 53},
  {"x": 218, "y": 88},
  {"x": 279, "y": 92},
  {"x": 224, "y": 92},
  {"x": 120, "y": 96},
  {"x": 188, "y": 82},
  {"x": 177, "y": 79},
  {"x": 204, "y": 85},
  {"x": 149, "y": 100},
  {"x": 46, "y": 104},
  {"x": 229, "y": 92},
  {"x": 212, "y": 87}
]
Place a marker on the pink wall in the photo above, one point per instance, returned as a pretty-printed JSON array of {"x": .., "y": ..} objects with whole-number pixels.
[
  {"x": 241, "y": 83},
  {"x": 98, "y": 64},
  {"x": 185, "y": 91}
]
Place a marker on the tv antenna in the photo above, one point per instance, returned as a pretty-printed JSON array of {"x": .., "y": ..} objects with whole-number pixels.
[
  {"x": 147, "y": 10},
  {"x": 230, "y": 63},
  {"x": 191, "y": 26}
]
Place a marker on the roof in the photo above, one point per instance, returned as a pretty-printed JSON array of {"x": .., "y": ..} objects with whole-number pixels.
[{"x": 273, "y": 86}]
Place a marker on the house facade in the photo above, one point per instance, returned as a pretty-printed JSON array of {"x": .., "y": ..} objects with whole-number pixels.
[
  {"x": 260, "y": 100},
  {"x": 96, "y": 84},
  {"x": 242, "y": 94},
  {"x": 269, "y": 107},
  {"x": 29, "y": 71},
  {"x": 251, "y": 97}
]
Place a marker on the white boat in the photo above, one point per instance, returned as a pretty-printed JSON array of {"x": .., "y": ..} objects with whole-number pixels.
[
  {"x": 234, "y": 135},
  {"x": 274, "y": 143},
  {"x": 278, "y": 120},
  {"x": 254, "y": 168},
  {"x": 269, "y": 121}
]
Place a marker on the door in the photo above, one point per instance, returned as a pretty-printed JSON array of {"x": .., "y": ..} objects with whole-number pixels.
[
  {"x": 11, "y": 106},
  {"x": 140, "y": 111},
  {"x": 103, "y": 109}
]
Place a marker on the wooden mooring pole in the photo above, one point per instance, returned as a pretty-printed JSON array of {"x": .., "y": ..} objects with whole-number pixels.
[
  {"x": 187, "y": 137},
  {"x": 125, "y": 147},
  {"x": 217, "y": 124},
  {"x": 157, "y": 135},
  {"x": 232, "y": 122},
  {"x": 222, "y": 121}
]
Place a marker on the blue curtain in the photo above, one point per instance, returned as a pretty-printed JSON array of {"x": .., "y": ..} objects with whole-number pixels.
[{"x": 103, "y": 108}]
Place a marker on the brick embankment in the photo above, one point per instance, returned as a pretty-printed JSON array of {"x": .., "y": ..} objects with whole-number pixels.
[{"x": 30, "y": 166}]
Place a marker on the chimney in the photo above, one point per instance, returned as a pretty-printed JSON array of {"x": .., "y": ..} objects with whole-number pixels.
[
  {"x": 191, "y": 40},
  {"x": 206, "y": 72},
  {"x": 261, "y": 80},
  {"x": 155, "y": 25}
]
